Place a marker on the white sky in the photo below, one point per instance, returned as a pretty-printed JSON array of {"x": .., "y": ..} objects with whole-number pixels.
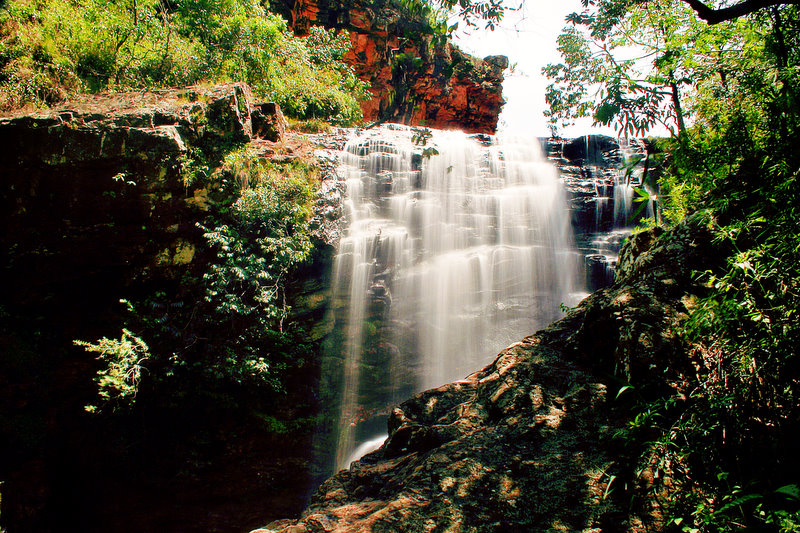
[{"x": 528, "y": 38}]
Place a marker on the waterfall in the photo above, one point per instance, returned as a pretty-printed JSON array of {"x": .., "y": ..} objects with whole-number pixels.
[
  {"x": 629, "y": 182},
  {"x": 456, "y": 246},
  {"x": 623, "y": 197}
]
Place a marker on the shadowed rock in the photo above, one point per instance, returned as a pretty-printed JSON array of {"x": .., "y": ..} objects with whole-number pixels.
[{"x": 95, "y": 207}]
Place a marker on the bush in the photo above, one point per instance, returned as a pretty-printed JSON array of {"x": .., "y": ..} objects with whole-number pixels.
[
  {"x": 313, "y": 82},
  {"x": 118, "y": 380},
  {"x": 55, "y": 48},
  {"x": 224, "y": 331}
]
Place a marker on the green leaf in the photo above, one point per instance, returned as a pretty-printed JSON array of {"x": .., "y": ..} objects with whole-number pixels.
[
  {"x": 606, "y": 112},
  {"x": 641, "y": 195},
  {"x": 792, "y": 491},
  {"x": 608, "y": 486},
  {"x": 623, "y": 389},
  {"x": 737, "y": 503}
]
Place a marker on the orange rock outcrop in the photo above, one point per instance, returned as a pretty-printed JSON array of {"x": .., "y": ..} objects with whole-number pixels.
[{"x": 413, "y": 78}]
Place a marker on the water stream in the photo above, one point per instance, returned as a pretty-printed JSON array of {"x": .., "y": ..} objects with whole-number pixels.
[
  {"x": 617, "y": 179},
  {"x": 456, "y": 246}
]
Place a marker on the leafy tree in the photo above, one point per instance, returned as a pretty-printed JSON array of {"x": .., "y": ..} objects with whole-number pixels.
[
  {"x": 735, "y": 157},
  {"x": 612, "y": 11},
  {"x": 118, "y": 380},
  {"x": 726, "y": 13},
  {"x": 472, "y": 12},
  {"x": 225, "y": 328},
  {"x": 640, "y": 71},
  {"x": 266, "y": 237}
]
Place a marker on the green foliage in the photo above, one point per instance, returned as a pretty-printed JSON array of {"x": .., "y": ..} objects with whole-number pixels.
[
  {"x": 636, "y": 64},
  {"x": 223, "y": 334},
  {"x": 54, "y": 48},
  {"x": 432, "y": 13},
  {"x": 726, "y": 438},
  {"x": 678, "y": 198},
  {"x": 741, "y": 157},
  {"x": 118, "y": 380},
  {"x": 312, "y": 81},
  {"x": 746, "y": 331},
  {"x": 435, "y": 12},
  {"x": 194, "y": 167},
  {"x": 421, "y": 138},
  {"x": 267, "y": 235},
  {"x": 262, "y": 239},
  {"x": 407, "y": 63},
  {"x": 313, "y": 125},
  {"x": 750, "y": 320}
]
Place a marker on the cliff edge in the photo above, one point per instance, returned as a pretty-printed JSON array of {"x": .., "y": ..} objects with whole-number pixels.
[
  {"x": 103, "y": 199},
  {"x": 413, "y": 79}
]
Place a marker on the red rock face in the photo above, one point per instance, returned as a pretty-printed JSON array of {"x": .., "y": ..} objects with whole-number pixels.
[{"x": 447, "y": 89}]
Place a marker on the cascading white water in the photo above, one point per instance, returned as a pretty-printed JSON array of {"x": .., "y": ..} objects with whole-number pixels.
[
  {"x": 447, "y": 259},
  {"x": 623, "y": 197},
  {"x": 628, "y": 180}
]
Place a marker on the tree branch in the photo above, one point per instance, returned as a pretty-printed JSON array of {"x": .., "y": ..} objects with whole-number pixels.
[{"x": 715, "y": 16}]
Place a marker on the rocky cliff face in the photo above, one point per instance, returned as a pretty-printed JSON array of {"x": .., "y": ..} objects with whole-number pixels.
[
  {"x": 95, "y": 206},
  {"x": 528, "y": 443},
  {"x": 413, "y": 81}
]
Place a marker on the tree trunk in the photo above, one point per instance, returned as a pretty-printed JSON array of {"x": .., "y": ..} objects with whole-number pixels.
[{"x": 676, "y": 102}]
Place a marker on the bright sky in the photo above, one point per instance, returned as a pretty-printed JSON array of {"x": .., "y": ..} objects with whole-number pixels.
[{"x": 528, "y": 38}]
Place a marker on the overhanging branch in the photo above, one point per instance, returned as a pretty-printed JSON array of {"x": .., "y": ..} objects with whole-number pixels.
[{"x": 715, "y": 16}]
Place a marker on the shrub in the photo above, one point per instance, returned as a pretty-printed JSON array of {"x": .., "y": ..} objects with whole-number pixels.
[
  {"x": 118, "y": 380},
  {"x": 55, "y": 48}
]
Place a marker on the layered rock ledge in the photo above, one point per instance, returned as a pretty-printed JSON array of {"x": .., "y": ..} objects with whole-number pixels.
[
  {"x": 102, "y": 174},
  {"x": 526, "y": 444},
  {"x": 412, "y": 79}
]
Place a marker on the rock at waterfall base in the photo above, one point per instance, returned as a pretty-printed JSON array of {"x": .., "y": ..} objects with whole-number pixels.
[{"x": 525, "y": 444}]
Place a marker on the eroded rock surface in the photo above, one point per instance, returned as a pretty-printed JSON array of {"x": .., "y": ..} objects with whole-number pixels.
[
  {"x": 525, "y": 443},
  {"x": 104, "y": 173},
  {"x": 412, "y": 80}
]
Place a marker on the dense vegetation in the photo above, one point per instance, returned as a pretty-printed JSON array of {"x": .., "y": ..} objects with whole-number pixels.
[
  {"x": 238, "y": 335},
  {"x": 188, "y": 362},
  {"x": 51, "y": 49},
  {"x": 202, "y": 370},
  {"x": 203, "y": 367},
  {"x": 730, "y": 92}
]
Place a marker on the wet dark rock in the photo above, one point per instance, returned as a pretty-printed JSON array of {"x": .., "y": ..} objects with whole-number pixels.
[
  {"x": 268, "y": 122},
  {"x": 592, "y": 150},
  {"x": 95, "y": 208},
  {"x": 103, "y": 174},
  {"x": 598, "y": 172},
  {"x": 599, "y": 272}
]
